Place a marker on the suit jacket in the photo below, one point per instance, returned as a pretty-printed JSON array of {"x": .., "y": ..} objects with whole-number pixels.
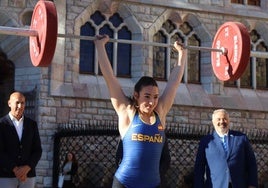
[
  {"x": 14, "y": 152},
  {"x": 212, "y": 165}
]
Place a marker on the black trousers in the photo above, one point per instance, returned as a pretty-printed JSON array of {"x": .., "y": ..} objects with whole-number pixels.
[
  {"x": 68, "y": 184},
  {"x": 230, "y": 185}
]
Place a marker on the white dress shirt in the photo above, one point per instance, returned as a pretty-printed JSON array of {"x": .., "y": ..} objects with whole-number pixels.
[{"x": 18, "y": 125}]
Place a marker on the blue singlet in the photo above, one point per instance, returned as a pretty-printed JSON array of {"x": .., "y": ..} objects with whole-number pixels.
[{"x": 142, "y": 147}]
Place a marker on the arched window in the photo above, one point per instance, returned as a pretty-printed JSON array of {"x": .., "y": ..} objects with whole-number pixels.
[
  {"x": 115, "y": 28},
  {"x": 159, "y": 57},
  {"x": 256, "y": 74},
  {"x": 164, "y": 59},
  {"x": 246, "y": 78},
  {"x": 261, "y": 68},
  {"x": 248, "y": 2},
  {"x": 193, "y": 68}
]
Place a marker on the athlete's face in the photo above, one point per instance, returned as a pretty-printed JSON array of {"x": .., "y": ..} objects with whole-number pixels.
[{"x": 147, "y": 99}]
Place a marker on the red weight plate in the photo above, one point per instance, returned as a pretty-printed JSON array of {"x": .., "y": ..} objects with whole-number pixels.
[
  {"x": 234, "y": 37},
  {"x": 45, "y": 22},
  {"x": 246, "y": 54}
]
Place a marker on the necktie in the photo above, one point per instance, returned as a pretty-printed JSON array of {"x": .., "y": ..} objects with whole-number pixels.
[{"x": 224, "y": 143}]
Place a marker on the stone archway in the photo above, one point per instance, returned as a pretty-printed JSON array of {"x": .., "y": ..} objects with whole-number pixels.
[
  {"x": 7, "y": 67},
  {"x": 7, "y": 72}
]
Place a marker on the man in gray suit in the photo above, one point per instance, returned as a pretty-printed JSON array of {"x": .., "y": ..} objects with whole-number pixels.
[
  {"x": 225, "y": 158},
  {"x": 20, "y": 146}
]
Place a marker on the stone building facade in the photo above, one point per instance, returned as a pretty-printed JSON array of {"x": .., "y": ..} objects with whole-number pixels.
[{"x": 64, "y": 94}]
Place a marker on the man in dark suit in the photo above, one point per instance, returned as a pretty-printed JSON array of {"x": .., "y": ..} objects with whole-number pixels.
[
  {"x": 20, "y": 146},
  {"x": 222, "y": 164}
]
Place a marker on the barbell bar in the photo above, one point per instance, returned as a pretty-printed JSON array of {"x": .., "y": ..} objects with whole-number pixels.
[
  {"x": 231, "y": 43},
  {"x": 30, "y": 32}
]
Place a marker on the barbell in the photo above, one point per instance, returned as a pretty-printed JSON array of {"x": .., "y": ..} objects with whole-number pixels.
[{"x": 230, "y": 47}]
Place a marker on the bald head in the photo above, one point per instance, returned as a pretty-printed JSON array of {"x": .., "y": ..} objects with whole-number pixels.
[{"x": 16, "y": 103}]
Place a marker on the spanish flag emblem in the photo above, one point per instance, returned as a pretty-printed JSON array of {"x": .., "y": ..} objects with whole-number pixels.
[{"x": 160, "y": 127}]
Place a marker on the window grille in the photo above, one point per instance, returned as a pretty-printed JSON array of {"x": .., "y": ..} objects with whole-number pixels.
[
  {"x": 164, "y": 59},
  {"x": 115, "y": 27},
  {"x": 256, "y": 73},
  {"x": 247, "y": 2}
]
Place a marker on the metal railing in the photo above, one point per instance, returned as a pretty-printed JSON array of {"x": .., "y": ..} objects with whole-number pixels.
[{"x": 95, "y": 144}]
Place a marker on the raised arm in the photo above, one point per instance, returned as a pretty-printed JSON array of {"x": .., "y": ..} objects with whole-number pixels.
[
  {"x": 167, "y": 98},
  {"x": 118, "y": 98}
]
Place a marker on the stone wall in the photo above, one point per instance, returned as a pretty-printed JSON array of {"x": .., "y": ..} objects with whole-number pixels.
[{"x": 65, "y": 95}]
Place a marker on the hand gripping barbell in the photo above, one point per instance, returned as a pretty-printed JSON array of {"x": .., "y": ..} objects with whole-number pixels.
[{"x": 231, "y": 44}]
